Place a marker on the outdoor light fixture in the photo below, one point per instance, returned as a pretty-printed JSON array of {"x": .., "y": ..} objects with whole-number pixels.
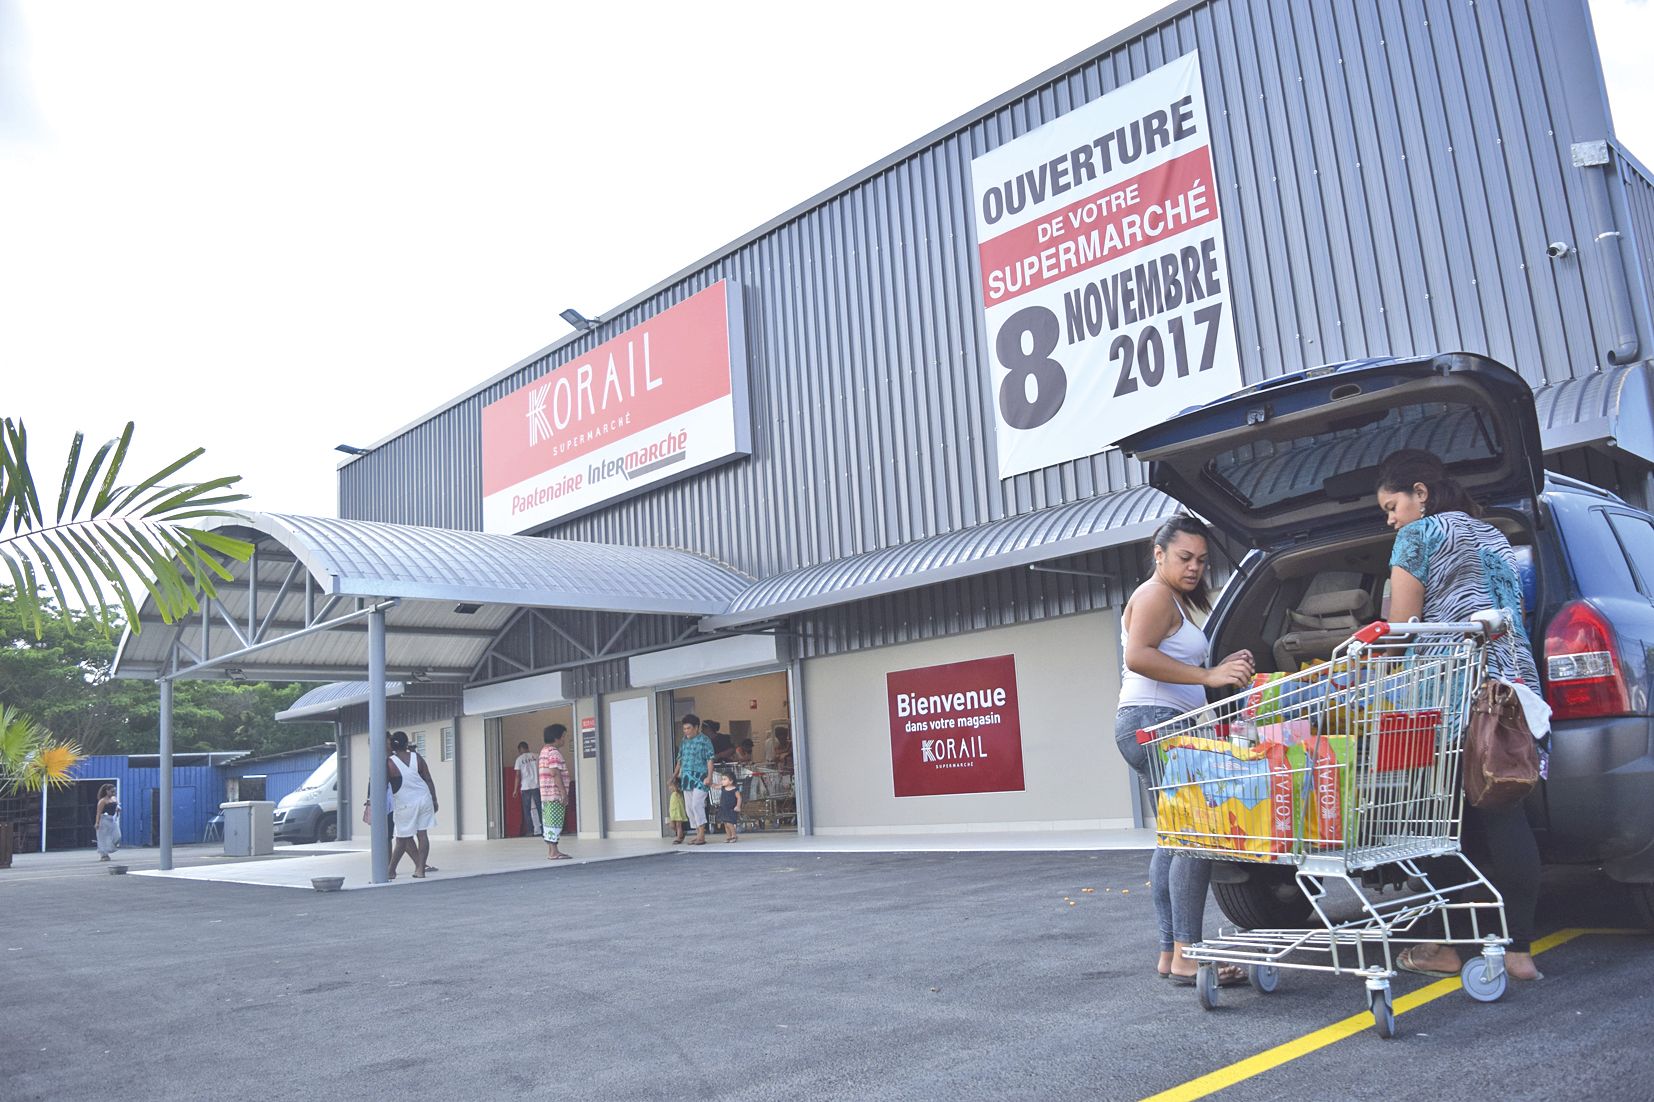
[
  {"x": 351, "y": 449},
  {"x": 578, "y": 320}
]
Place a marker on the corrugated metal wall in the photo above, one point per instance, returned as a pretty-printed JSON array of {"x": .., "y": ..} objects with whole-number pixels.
[
  {"x": 197, "y": 790},
  {"x": 283, "y": 775},
  {"x": 1638, "y": 184},
  {"x": 1390, "y": 174}
]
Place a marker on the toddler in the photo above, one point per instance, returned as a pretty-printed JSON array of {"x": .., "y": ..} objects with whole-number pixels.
[
  {"x": 729, "y": 805},
  {"x": 676, "y": 812}
]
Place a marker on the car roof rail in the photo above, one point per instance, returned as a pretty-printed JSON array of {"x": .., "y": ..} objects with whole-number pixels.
[{"x": 1565, "y": 482}]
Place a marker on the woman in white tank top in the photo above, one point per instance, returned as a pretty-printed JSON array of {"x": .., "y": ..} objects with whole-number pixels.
[{"x": 1164, "y": 675}]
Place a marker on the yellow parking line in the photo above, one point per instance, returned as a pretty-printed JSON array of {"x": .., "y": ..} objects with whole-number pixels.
[{"x": 1212, "y": 1082}]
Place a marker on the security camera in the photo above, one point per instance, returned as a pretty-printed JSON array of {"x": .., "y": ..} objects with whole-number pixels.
[{"x": 1556, "y": 250}]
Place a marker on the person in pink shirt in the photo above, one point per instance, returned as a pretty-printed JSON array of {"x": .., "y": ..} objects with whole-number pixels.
[{"x": 554, "y": 790}]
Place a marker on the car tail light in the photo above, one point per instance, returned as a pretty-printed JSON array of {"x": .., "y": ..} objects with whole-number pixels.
[{"x": 1582, "y": 665}]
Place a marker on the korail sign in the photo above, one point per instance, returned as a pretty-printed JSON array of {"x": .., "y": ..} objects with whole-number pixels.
[{"x": 662, "y": 400}]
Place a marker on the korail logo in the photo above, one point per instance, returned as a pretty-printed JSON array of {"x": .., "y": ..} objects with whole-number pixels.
[
  {"x": 539, "y": 425},
  {"x": 966, "y": 749}
]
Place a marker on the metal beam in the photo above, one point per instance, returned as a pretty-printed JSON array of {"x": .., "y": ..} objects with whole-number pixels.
[
  {"x": 252, "y": 597},
  {"x": 253, "y": 671},
  {"x": 275, "y": 605},
  {"x": 571, "y": 640},
  {"x": 166, "y": 774},
  {"x": 224, "y": 614},
  {"x": 233, "y": 657},
  {"x": 378, "y": 769},
  {"x": 619, "y": 631}
]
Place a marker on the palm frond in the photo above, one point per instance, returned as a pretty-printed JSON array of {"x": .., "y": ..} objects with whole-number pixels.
[{"x": 103, "y": 533}]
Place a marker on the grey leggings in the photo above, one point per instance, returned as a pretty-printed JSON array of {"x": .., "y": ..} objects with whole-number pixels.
[{"x": 1179, "y": 883}]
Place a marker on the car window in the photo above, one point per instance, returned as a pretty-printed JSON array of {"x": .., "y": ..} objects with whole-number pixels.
[
  {"x": 1602, "y": 565},
  {"x": 1637, "y": 538},
  {"x": 1268, "y": 473}
]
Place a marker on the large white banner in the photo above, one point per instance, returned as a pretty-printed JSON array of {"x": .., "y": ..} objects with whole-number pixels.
[{"x": 1104, "y": 280}]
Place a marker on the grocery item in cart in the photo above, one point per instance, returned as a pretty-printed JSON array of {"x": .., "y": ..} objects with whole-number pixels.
[
  {"x": 1323, "y": 788},
  {"x": 1215, "y": 796},
  {"x": 1318, "y": 691}
]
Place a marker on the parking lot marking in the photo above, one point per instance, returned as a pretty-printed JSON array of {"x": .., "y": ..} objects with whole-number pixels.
[{"x": 1214, "y": 1081}]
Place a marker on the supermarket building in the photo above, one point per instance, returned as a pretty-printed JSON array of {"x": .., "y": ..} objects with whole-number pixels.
[{"x": 845, "y": 486}]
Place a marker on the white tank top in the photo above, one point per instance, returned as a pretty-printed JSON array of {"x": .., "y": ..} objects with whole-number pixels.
[
  {"x": 414, "y": 789},
  {"x": 1187, "y": 645}
]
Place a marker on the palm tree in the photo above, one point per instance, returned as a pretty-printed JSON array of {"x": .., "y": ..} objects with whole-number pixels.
[
  {"x": 102, "y": 531},
  {"x": 30, "y": 758}
]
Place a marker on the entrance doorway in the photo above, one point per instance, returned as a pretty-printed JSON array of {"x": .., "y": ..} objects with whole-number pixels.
[
  {"x": 749, "y": 721},
  {"x": 527, "y": 729}
]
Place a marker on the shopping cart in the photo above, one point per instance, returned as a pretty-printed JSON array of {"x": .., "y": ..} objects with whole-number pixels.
[{"x": 1336, "y": 769}]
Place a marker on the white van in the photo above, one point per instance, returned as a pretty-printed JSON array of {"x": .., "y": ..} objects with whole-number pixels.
[{"x": 311, "y": 813}]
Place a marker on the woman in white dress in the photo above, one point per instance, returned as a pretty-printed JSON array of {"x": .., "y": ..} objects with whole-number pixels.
[{"x": 413, "y": 805}]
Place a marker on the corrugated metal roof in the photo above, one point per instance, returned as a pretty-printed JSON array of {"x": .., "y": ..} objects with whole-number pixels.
[
  {"x": 370, "y": 559},
  {"x": 1072, "y": 529},
  {"x": 1614, "y": 408},
  {"x": 330, "y": 698},
  {"x": 457, "y": 591}
]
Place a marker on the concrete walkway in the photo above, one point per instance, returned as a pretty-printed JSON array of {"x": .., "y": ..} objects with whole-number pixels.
[{"x": 294, "y": 866}]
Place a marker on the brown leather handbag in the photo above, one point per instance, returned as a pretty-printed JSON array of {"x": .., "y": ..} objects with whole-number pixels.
[{"x": 1501, "y": 761}]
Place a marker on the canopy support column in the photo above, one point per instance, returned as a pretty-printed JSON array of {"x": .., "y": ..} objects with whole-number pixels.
[
  {"x": 378, "y": 770},
  {"x": 803, "y": 805},
  {"x": 165, "y": 811}
]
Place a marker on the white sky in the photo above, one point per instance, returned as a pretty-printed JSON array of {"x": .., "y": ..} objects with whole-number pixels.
[{"x": 267, "y": 229}]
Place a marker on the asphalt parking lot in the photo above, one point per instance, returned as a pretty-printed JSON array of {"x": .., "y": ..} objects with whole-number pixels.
[{"x": 713, "y": 975}]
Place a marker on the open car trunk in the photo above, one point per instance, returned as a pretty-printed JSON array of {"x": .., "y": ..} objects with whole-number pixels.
[{"x": 1295, "y": 606}]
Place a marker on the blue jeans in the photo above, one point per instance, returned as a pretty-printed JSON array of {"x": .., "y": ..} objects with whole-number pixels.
[
  {"x": 1179, "y": 882},
  {"x": 531, "y": 812}
]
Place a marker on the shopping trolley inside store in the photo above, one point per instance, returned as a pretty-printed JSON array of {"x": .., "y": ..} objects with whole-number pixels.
[
  {"x": 1336, "y": 769},
  {"x": 768, "y": 801}
]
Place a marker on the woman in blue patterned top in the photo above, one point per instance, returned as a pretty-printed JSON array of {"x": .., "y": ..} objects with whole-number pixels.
[{"x": 1446, "y": 566}]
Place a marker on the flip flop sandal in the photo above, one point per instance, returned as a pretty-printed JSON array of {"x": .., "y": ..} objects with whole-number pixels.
[
  {"x": 1404, "y": 961},
  {"x": 1232, "y": 979}
]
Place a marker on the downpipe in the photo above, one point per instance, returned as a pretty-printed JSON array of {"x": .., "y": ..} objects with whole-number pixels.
[{"x": 1593, "y": 158}]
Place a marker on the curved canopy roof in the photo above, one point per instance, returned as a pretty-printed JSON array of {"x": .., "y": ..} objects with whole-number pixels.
[
  {"x": 456, "y": 591},
  {"x": 1072, "y": 529},
  {"x": 368, "y": 559},
  {"x": 1612, "y": 409},
  {"x": 294, "y": 611}
]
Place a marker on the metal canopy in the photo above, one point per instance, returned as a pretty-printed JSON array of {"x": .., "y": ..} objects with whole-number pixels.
[
  {"x": 1072, "y": 529},
  {"x": 296, "y": 610},
  {"x": 1610, "y": 409},
  {"x": 327, "y": 701},
  {"x": 367, "y": 559}
]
